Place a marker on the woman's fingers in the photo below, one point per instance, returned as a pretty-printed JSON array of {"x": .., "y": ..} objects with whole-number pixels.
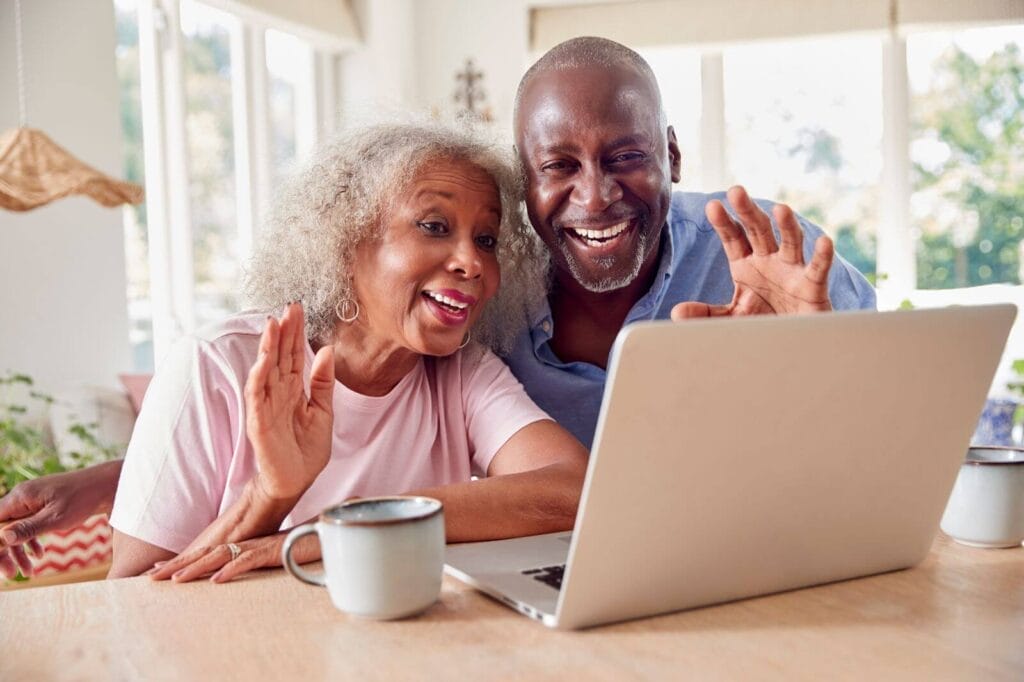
[
  {"x": 247, "y": 561},
  {"x": 209, "y": 563},
  {"x": 165, "y": 569},
  {"x": 299, "y": 339},
  {"x": 285, "y": 356},
  {"x": 321, "y": 380}
]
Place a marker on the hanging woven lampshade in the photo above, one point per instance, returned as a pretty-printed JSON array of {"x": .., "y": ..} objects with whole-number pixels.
[{"x": 35, "y": 170}]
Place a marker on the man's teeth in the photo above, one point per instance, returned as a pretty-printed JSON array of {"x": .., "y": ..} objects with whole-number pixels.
[
  {"x": 447, "y": 301},
  {"x": 597, "y": 236}
]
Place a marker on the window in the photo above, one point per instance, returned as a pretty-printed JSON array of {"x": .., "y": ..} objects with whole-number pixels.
[
  {"x": 211, "y": 163},
  {"x": 804, "y": 126},
  {"x": 678, "y": 71},
  {"x": 967, "y": 151},
  {"x": 290, "y": 67},
  {"x": 140, "y": 314},
  {"x": 225, "y": 102}
]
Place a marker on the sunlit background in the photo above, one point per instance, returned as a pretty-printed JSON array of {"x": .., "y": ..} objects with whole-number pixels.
[{"x": 798, "y": 120}]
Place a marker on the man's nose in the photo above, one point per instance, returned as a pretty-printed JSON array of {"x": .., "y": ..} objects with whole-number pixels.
[
  {"x": 465, "y": 259},
  {"x": 595, "y": 190}
]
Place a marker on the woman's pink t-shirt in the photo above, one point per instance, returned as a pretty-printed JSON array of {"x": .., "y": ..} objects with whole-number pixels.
[{"x": 189, "y": 457}]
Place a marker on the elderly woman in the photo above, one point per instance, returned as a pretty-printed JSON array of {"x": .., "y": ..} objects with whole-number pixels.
[{"x": 394, "y": 238}]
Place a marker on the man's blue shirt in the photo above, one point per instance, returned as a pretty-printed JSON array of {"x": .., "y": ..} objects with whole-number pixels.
[{"x": 693, "y": 267}]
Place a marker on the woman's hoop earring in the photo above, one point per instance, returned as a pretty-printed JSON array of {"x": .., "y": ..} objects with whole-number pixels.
[
  {"x": 350, "y": 309},
  {"x": 466, "y": 340}
]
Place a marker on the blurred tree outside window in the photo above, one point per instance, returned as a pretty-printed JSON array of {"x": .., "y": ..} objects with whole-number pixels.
[
  {"x": 967, "y": 151},
  {"x": 804, "y": 127}
]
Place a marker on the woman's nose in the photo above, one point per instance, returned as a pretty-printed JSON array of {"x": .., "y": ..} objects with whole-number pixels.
[{"x": 465, "y": 259}]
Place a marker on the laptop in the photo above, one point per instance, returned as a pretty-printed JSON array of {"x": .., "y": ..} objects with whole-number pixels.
[{"x": 741, "y": 457}]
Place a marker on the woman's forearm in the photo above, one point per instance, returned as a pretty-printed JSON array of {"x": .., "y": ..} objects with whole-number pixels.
[
  {"x": 538, "y": 501},
  {"x": 253, "y": 514}
]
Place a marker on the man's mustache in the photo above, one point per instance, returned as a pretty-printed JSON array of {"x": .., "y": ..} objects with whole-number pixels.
[{"x": 590, "y": 222}]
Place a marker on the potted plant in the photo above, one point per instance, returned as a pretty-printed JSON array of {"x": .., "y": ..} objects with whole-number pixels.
[{"x": 27, "y": 451}]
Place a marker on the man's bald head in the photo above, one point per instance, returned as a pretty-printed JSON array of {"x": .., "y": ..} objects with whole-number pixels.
[{"x": 589, "y": 52}]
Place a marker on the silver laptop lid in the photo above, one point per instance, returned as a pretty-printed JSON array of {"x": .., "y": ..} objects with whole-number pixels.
[{"x": 746, "y": 456}]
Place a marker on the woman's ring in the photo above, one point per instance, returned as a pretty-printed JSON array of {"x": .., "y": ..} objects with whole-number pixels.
[{"x": 235, "y": 550}]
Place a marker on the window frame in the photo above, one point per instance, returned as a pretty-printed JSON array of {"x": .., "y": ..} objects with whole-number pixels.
[{"x": 162, "y": 93}]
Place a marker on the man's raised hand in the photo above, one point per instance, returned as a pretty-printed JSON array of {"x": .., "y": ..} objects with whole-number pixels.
[{"x": 768, "y": 277}]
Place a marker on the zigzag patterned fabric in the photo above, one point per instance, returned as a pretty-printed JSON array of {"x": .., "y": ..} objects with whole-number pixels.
[{"x": 81, "y": 547}]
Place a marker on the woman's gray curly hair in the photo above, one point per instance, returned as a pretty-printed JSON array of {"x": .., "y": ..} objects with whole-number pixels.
[{"x": 341, "y": 197}]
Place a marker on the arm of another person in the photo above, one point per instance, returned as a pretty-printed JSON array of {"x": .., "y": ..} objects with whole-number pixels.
[{"x": 48, "y": 503}]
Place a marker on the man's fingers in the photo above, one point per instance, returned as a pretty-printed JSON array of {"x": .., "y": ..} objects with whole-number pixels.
[
  {"x": 694, "y": 309},
  {"x": 321, "y": 380},
  {"x": 24, "y": 530},
  {"x": 821, "y": 262},
  {"x": 754, "y": 220},
  {"x": 16, "y": 504},
  {"x": 7, "y": 567},
  {"x": 21, "y": 560},
  {"x": 734, "y": 239},
  {"x": 791, "y": 248},
  {"x": 35, "y": 548}
]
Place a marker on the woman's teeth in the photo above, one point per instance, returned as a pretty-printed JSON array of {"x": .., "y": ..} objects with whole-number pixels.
[
  {"x": 597, "y": 237},
  {"x": 445, "y": 301}
]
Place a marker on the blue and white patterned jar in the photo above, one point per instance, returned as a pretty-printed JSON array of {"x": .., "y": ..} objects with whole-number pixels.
[{"x": 995, "y": 427}]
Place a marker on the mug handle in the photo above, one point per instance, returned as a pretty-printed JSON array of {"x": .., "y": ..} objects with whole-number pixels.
[{"x": 289, "y": 562}]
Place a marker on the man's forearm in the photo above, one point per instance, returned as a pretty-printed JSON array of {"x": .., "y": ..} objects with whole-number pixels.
[{"x": 542, "y": 500}]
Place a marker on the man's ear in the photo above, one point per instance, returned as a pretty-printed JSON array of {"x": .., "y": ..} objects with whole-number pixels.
[{"x": 675, "y": 156}]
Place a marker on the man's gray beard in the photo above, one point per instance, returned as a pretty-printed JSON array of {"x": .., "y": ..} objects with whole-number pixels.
[{"x": 609, "y": 283}]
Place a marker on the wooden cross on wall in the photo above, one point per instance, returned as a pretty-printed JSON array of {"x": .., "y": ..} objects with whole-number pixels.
[{"x": 469, "y": 93}]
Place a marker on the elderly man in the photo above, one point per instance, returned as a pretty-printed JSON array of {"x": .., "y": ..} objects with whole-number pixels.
[{"x": 600, "y": 160}]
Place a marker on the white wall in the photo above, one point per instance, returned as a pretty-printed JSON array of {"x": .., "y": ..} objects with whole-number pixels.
[
  {"x": 62, "y": 275},
  {"x": 494, "y": 33},
  {"x": 379, "y": 76}
]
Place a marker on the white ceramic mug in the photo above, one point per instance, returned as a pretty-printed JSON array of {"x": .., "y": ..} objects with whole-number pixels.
[
  {"x": 383, "y": 556},
  {"x": 986, "y": 507}
]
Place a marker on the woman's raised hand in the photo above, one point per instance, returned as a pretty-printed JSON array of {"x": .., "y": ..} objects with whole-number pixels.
[{"x": 290, "y": 435}]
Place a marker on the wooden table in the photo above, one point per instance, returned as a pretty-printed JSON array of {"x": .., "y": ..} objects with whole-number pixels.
[{"x": 960, "y": 615}]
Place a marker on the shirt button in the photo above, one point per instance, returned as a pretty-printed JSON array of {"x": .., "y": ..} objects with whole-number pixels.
[{"x": 546, "y": 326}]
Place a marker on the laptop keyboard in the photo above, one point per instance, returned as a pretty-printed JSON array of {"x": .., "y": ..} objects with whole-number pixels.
[{"x": 549, "y": 575}]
